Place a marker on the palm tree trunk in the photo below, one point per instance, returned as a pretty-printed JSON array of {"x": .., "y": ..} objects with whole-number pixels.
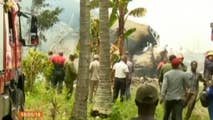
[
  {"x": 103, "y": 99},
  {"x": 121, "y": 29},
  {"x": 79, "y": 111}
]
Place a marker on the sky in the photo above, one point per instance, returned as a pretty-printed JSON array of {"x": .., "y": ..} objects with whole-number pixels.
[{"x": 180, "y": 23}]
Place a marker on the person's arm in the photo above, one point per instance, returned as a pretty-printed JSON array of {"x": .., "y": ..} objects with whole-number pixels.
[
  {"x": 161, "y": 76},
  {"x": 126, "y": 70},
  {"x": 164, "y": 87}
]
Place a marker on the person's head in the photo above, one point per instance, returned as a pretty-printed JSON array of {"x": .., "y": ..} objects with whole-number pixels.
[
  {"x": 124, "y": 58},
  {"x": 50, "y": 53},
  {"x": 146, "y": 97},
  {"x": 193, "y": 66},
  {"x": 175, "y": 63},
  {"x": 96, "y": 57},
  {"x": 61, "y": 53},
  {"x": 72, "y": 57},
  {"x": 165, "y": 59},
  {"x": 181, "y": 57},
  {"x": 171, "y": 57},
  {"x": 210, "y": 56}
]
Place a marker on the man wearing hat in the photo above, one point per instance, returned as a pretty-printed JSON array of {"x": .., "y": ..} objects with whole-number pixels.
[
  {"x": 94, "y": 69},
  {"x": 208, "y": 66},
  {"x": 173, "y": 91},
  {"x": 146, "y": 101}
]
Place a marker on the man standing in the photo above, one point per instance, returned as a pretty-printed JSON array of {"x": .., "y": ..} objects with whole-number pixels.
[
  {"x": 146, "y": 101},
  {"x": 182, "y": 66},
  {"x": 129, "y": 79},
  {"x": 70, "y": 75},
  {"x": 94, "y": 69},
  {"x": 173, "y": 91},
  {"x": 120, "y": 72},
  {"x": 194, "y": 78},
  {"x": 165, "y": 68},
  {"x": 58, "y": 73}
]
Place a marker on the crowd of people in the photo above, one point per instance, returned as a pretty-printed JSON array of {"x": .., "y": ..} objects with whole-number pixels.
[{"x": 178, "y": 87}]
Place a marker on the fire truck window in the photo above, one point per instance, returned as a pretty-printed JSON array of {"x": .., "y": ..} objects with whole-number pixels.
[
  {"x": 11, "y": 30},
  {"x": 1, "y": 37}
]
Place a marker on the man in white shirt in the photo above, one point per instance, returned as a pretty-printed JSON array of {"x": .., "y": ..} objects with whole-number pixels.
[{"x": 120, "y": 72}]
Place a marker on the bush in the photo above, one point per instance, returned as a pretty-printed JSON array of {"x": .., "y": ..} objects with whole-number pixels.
[{"x": 36, "y": 63}]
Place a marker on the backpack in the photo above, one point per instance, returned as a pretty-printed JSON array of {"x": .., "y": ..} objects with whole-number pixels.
[{"x": 204, "y": 99}]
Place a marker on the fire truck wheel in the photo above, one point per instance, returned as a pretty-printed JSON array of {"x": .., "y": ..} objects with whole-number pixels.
[{"x": 17, "y": 105}]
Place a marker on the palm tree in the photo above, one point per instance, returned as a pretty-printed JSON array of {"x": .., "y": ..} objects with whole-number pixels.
[
  {"x": 121, "y": 12},
  {"x": 103, "y": 99},
  {"x": 79, "y": 111}
]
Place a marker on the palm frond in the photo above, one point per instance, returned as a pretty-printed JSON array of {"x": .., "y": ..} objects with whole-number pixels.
[
  {"x": 113, "y": 16},
  {"x": 129, "y": 32},
  {"x": 138, "y": 12}
]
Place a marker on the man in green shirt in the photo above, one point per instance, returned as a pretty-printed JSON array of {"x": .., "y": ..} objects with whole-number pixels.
[
  {"x": 165, "y": 68},
  {"x": 70, "y": 75}
]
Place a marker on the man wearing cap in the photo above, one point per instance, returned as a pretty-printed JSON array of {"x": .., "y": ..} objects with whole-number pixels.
[
  {"x": 94, "y": 69},
  {"x": 173, "y": 91},
  {"x": 120, "y": 72},
  {"x": 146, "y": 101},
  {"x": 165, "y": 68},
  {"x": 58, "y": 73},
  {"x": 70, "y": 75}
]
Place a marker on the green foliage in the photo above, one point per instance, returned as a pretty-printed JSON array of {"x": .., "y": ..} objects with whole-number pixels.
[
  {"x": 129, "y": 32},
  {"x": 48, "y": 18},
  {"x": 94, "y": 4},
  {"x": 36, "y": 63},
  {"x": 94, "y": 33},
  {"x": 138, "y": 12},
  {"x": 113, "y": 16},
  {"x": 40, "y": 100}
]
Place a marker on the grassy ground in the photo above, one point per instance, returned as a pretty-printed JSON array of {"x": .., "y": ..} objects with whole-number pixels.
[{"x": 41, "y": 100}]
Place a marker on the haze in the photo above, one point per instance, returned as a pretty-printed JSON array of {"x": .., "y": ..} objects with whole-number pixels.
[{"x": 180, "y": 23}]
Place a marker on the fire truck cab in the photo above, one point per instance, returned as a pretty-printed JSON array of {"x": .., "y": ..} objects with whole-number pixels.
[{"x": 12, "y": 95}]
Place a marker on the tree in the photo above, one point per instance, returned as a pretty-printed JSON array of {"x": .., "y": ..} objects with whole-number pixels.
[
  {"x": 46, "y": 17},
  {"x": 121, "y": 12},
  {"x": 79, "y": 111},
  {"x": 103, "y": 99}
]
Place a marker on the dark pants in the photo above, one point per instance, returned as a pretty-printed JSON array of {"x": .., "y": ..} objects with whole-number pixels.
[
  {"x": 58, "y": 80},
  {"x": 191, "y": 104},
  {"x": 119, "y": 85},
  {"x": 69, "y": 86},
  {"x": 175, "y": 107},
  {"x": 127, "y": 91}
]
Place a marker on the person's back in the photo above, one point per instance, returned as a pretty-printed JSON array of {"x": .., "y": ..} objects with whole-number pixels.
[
  {"x": 175, "y": 81},
  {"x": 95, "y": 70}
]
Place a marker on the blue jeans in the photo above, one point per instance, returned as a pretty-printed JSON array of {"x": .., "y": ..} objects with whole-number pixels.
[{"x": 210, "y": 109}]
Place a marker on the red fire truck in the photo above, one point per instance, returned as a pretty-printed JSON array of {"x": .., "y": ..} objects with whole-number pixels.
[{"x": 12, "y": 94}]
